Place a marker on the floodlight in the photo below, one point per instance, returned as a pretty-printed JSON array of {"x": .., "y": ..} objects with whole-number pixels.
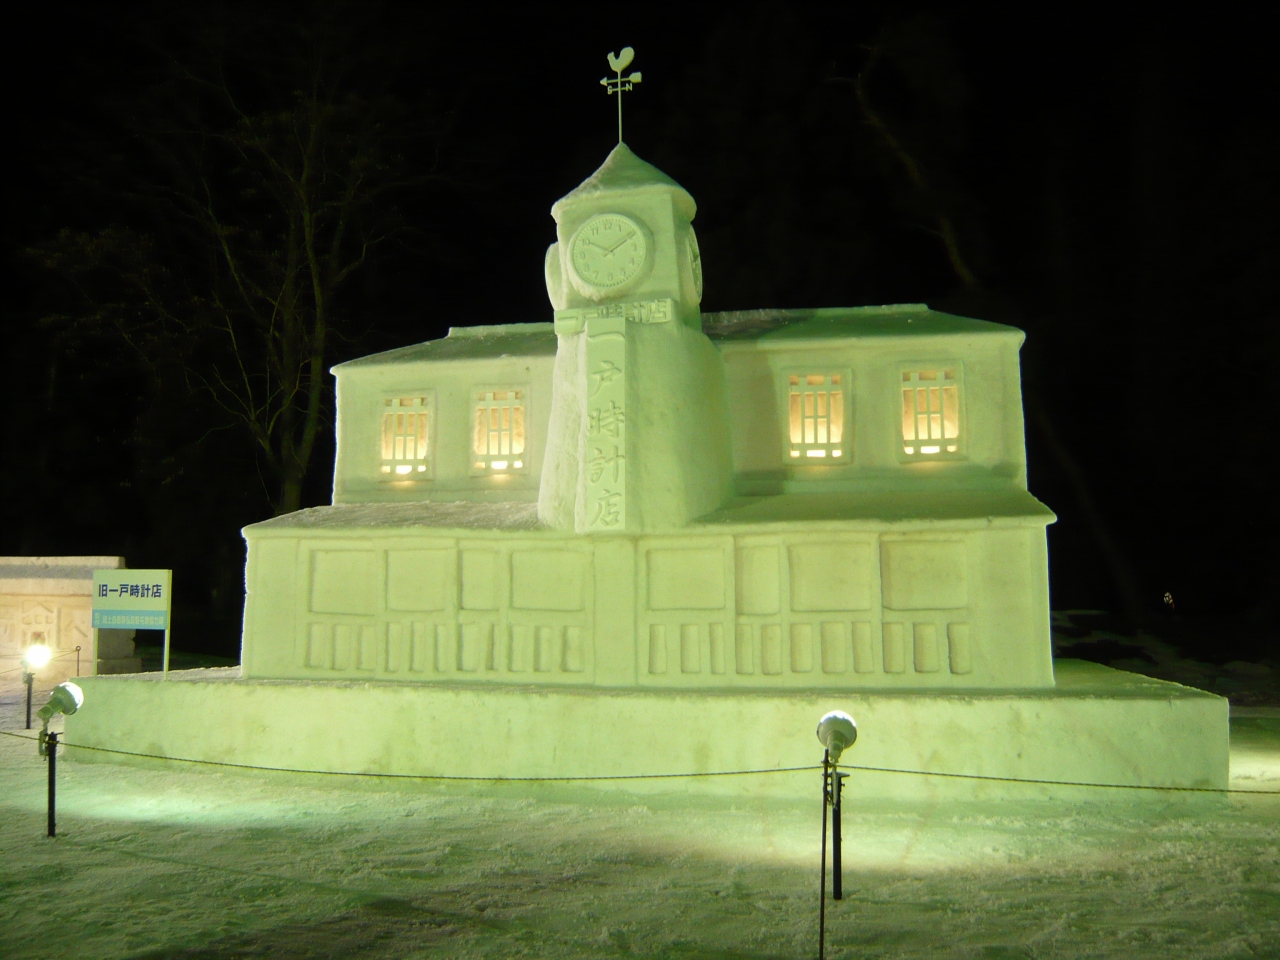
[
  {"x": 837, "y": 732},
  {"x": 66, "y": 698},
  {"x": 36, "y": 656}
]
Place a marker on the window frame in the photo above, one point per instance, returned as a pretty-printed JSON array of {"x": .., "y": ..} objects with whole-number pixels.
[
  {"x": 474, "y": 401},
  {"x": 386, "y": 470},
  {"x": 828, "y": 372},
  {"x": 961, "y": 441}
]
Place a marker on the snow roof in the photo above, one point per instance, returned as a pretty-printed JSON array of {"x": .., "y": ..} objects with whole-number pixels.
[
  {"x": 737, "y": 326},
  {"x": 623, "y": 170},
  {"x": 470, "y": 343},
  {"x": 889, "y": 506},
  {"x": 823, "y": 323},
  {"x": 924, "y": 506}
]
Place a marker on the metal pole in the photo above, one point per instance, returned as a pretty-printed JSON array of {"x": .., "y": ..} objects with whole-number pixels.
[
  {"x": 28, "y": 677},
  {"x": 166, "y": 649},
  {"x": 837, "y": 873},
  {"x": 77, "y": 659},
  {"x": 822, "y": 884},
  {"x": 52, "y": 748}
]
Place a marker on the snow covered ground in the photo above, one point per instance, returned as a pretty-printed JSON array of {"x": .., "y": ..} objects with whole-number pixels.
[{"x": 199, "y": 862}]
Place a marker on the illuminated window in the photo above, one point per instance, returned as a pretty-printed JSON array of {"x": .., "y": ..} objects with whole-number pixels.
[
  {"x": 931, "y": 412},
  {"x": 406, "y": 432},
  {"x": 498, "y": 438},
  {"x": 816, "y": 411}
]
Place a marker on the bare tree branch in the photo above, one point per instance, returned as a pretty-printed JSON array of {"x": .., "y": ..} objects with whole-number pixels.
[{"x": 272, "y": 182}]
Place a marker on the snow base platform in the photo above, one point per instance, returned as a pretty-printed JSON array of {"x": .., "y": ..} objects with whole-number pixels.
[{"x": 1098, "y": 726}]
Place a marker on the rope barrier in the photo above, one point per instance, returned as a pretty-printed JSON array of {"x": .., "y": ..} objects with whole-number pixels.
[
  {"x": 657, "y": 776},
  {"x": 61, "y": 656},
  {"x": 426, "y": 776},
  {"x": 1055, "y": 783}
]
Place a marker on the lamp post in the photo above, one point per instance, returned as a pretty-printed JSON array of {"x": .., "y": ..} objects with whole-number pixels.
[
  {"x": 835, "y": 786},
  {"x": 35, "y": 657},
  {"x": 66, "y": 698},
  {"x": 837, "y": 731},
  {"x": 51, "y": 753}
]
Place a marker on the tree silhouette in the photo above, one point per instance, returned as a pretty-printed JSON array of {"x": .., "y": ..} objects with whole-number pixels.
[{"x": 261, "y": 174}]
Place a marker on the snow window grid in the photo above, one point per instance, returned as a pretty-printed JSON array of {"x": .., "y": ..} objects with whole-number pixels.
[
  {"x": 818, "y": 417},
  {"x": 406, "y": 443},
  {"x": 499, "y": 439},
  {"x": 932, "y": 411}
]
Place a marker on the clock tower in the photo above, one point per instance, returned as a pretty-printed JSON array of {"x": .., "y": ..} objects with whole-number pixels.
[
  {"x": 638, "y": 436},
  {"x": 626, "y": 234}
]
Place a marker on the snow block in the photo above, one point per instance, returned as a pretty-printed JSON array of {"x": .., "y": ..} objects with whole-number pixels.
[{"x": 1097, "y": 725}]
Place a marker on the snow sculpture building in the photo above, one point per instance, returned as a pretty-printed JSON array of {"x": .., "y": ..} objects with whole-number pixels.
[
  {"x": 607, "y": 540},
  {"x": 642, "y": 496}
]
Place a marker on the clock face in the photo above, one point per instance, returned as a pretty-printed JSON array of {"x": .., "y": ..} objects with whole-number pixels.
[
  {"x": 695, "y": 262},
  {"x": 608, "y": 251}
]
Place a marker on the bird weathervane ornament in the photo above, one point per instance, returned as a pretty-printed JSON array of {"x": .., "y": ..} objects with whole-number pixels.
[{"x": 620, "y": 83}]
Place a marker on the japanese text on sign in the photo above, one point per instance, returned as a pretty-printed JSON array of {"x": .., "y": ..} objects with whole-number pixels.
[
  {"x": 137, "y": 599},
  {"x": 131, "y": 590}
]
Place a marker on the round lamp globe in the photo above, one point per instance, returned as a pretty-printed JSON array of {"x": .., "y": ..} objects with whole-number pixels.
[
  {"x": 36, "y": 656},
  {"x": 837, "y": 731}
]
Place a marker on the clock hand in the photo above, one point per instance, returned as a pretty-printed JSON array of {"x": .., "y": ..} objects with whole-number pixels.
[{"x": 621, "y": 242}]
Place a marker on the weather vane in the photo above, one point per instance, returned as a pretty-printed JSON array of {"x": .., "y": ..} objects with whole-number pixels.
[{"x": 620, "y": 83}]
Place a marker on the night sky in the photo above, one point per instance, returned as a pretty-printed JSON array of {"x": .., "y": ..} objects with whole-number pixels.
[{"x": 1106, "y": 182}]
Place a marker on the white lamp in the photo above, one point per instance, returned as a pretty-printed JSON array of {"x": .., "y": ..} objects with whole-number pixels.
[
  {"x": 837, "y": 731},
  {"x": 66, "y": 698},
  {"x": 36, "y": 656}
]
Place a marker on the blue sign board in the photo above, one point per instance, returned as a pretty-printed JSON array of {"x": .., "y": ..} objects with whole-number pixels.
[{"x": 131, "y": 599}]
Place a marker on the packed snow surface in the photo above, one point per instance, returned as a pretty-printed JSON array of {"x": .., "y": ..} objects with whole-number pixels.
[{"x": 178, "y": 860}]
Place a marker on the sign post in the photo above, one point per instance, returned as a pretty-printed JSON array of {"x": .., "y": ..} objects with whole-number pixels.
[{"x": 132, "y": 599}]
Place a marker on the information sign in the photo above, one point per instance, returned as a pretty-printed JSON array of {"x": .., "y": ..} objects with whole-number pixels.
[{"x": 133, "y": 599}]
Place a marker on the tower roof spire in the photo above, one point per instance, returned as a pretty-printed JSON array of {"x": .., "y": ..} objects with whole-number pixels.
[{"x": 623, "y": 170}]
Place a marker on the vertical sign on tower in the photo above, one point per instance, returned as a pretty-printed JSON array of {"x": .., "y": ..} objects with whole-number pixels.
[
  {"x": 132, "y": 600},
  {"x": 606, "y": 448}
]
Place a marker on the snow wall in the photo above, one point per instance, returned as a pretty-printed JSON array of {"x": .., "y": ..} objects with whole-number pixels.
[{"x": 1097, "y": 726}]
